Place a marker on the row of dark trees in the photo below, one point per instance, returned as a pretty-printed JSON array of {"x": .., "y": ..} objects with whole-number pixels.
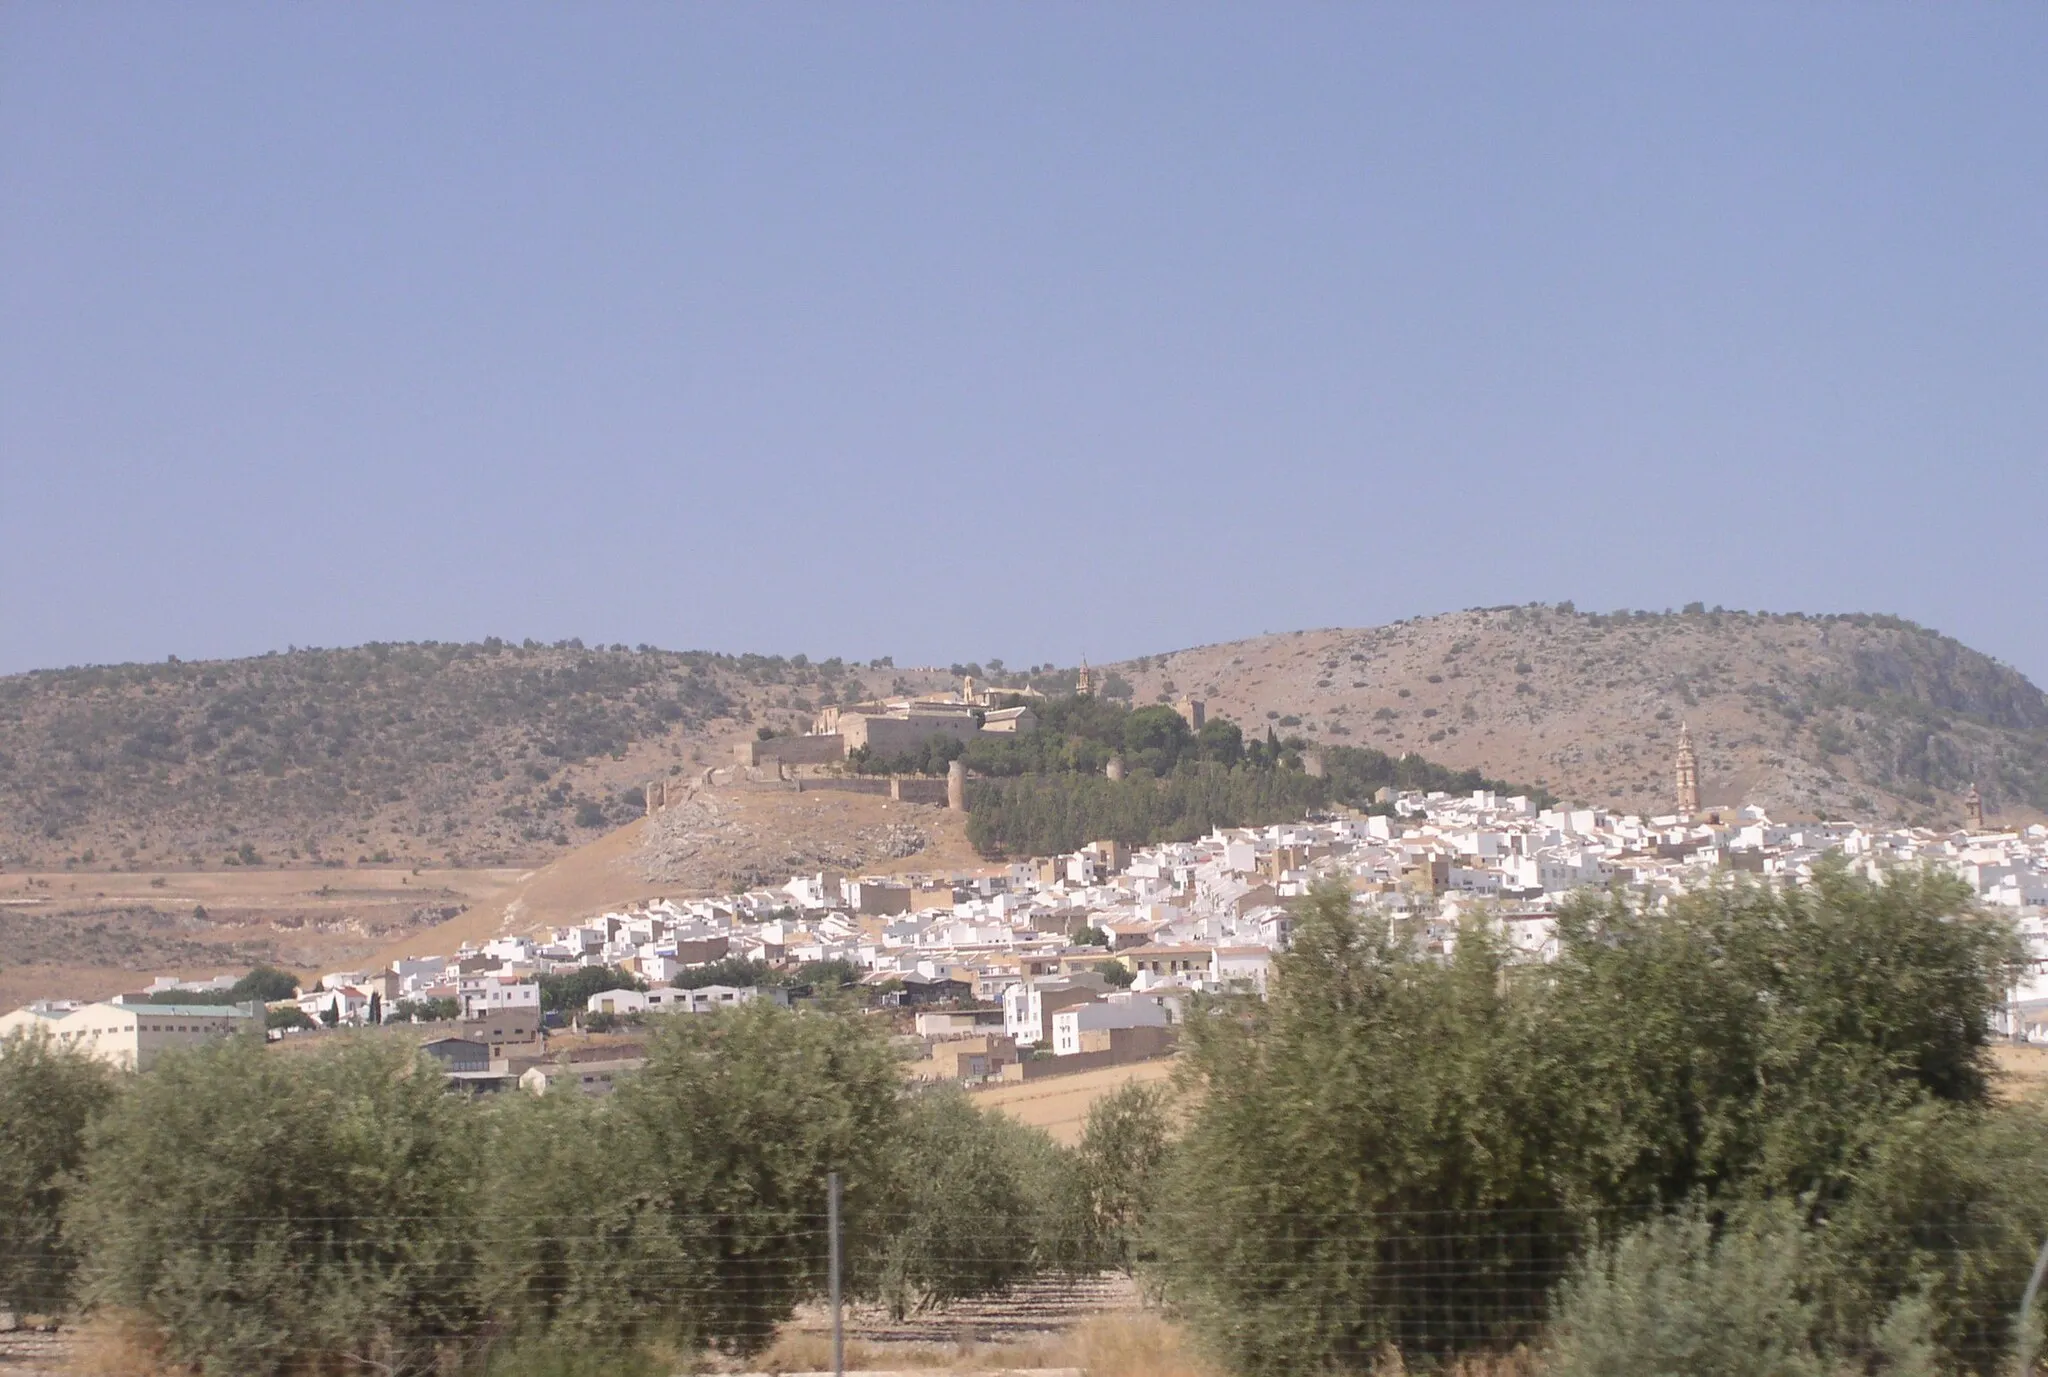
[
  {"x": 1045, "y": 814},
  {"x": 1045, "y": 791}
]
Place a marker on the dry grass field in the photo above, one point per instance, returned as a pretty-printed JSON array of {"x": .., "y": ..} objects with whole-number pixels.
[
  {"x": 94, "y": 934},
  {"x": 90, "y": 934},
  {"x": 1059, "y": 1104},
  {"x": 2022, "y": 1071}
]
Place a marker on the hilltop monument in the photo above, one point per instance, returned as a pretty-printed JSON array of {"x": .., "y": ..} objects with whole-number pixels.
[{"x": 1687, "y": 770}]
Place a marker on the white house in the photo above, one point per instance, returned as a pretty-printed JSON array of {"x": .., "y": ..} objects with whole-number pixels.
[
  {"x": 1118, "y": 1011},
  {"x": 1025, "y": 1006},
  {"x": 1243, "y": 968},
  {"x": 490, "y": 994},
  {"x": 664, "y": 999},
  {"x": 618, "y": 1002}
]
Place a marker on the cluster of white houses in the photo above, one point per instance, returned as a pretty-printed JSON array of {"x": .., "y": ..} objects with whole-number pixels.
[{"x": 1089, "y": 957}]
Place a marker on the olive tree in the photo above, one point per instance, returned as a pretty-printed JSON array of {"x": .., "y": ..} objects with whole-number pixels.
[
  {"x": 269, "y": 1212},
  {"x": 48, "y": 1098}
]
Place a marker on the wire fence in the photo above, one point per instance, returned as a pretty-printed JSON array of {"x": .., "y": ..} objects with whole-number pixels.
[{"x": 1427, "y": 1281}]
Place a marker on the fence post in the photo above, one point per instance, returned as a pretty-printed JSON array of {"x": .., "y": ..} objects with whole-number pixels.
[
  {"x": 832, "y": 1267},
  {"x": 2026, "y": 1334}
]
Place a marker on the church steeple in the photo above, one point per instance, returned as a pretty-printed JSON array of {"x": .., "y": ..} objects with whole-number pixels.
[
  {"x": 1687, "y": 770},
  {"x": 1082, "y": 686},
  {"x": 1973, "y": 808}
]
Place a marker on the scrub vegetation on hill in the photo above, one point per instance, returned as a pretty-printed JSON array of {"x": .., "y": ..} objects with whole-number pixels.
[
  {"x": 493, "y": 752},
  {"x": 1775, "y": 1149},
  {"x": 1842, "y": 715},
  {"x": 383, "y": 753}
]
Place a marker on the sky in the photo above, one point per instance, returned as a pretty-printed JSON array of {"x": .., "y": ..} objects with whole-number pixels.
[{"x": 1029, "y": 331}]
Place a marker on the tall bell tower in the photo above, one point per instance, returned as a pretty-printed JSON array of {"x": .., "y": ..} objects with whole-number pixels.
[{"x": 1687, "y": 771}]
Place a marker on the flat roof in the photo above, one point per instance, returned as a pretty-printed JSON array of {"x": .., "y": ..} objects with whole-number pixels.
[{"x": 179, "y": 1010}]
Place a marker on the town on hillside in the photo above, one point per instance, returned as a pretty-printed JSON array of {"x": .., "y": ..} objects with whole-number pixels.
[{"x": 1068, "y": 962}]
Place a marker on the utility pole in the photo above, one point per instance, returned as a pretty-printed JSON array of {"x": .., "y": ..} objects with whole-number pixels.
[{"x": 832, "y": 1267}]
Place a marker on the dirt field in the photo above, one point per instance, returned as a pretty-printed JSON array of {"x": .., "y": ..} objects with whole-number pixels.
[
  {"x": 1083, "y": 1327},
  {"x": 1059, "y": 1104},
  {"x": 93, "y": 934},
  {"x": 90, "y": 934},
  {"x": 2022, "y": 1070},
  {"x": 1097, "y": 1326}
]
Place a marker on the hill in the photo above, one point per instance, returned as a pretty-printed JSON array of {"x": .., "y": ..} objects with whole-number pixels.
[
  {"x": 713, "y": 841},
  {"x": 488, "y": 754},
  {"x": 1852, "y": 715},
  {"x": 502, "y": 755}
]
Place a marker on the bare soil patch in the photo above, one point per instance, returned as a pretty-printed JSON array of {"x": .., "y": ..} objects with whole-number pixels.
[
  {"x": 716, "y": 840},
  {"x": 93, "y": 934},
  {"x": 2022, "y": 1070},
  {"x": 34, "y": 1353},
  {"x": 1060, "y": 1104},
  {"x": 1093, "y": 1325}
]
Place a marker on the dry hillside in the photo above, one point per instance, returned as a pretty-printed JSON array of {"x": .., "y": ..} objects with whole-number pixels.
[
  {"x": 1848, "y": 716},
  {"x": 316, "y": 807},
  {"x": 464, "y": 755},
  {"x": 499, "y": 755},
  {"x": 714, "y": 841}
]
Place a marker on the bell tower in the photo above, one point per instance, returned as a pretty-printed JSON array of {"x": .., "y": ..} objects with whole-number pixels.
[
  {"x": 1083, "y": 686},
  {"x": 1973, "y": 808},
  {"x": 1687, "y": 772}
]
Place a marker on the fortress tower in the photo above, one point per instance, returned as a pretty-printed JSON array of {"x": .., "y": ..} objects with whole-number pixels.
[{"x": 1687, "y": 771}]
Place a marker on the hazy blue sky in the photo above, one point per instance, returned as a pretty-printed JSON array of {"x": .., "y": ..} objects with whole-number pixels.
[{"x": 957, "y": 331}]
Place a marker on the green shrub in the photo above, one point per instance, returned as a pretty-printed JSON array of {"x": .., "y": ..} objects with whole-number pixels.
[
  {"x": 1950, "y": 1207},
  {"x": 728, "y": 1136},
  {"x": 1671, "y": 1298},
  {"x": 561, "y": 1358},
  {"x": 265, "y": 1211},
  {"x": 971, "y": 1204},
  {"x": 48, "y": 1097},
  {"x": 1364, "y": 1166},
  {"x": 576, "y": 1261},
  {"x": 1122, "y": 1155}
]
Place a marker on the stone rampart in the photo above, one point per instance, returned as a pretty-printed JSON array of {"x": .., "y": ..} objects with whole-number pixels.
[{"x": 792, "y": 750}]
